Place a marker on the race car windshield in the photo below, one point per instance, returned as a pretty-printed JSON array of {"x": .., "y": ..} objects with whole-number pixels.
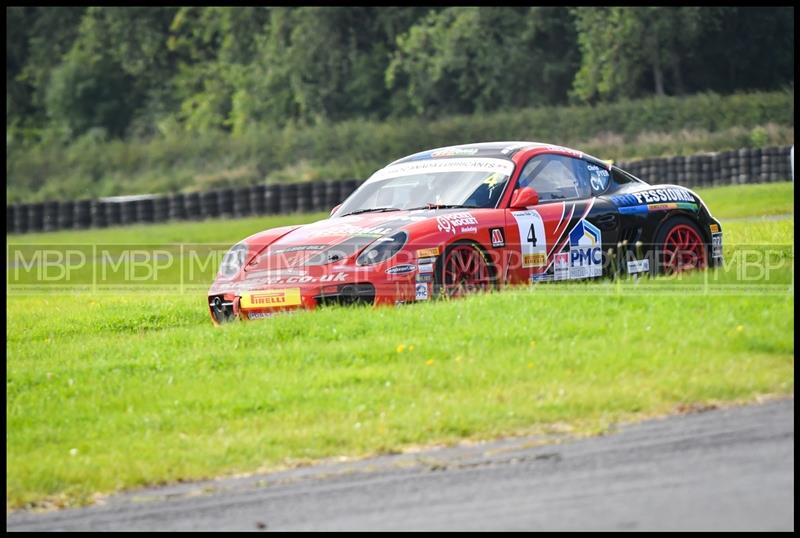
[{"x": 480, "y": 188}]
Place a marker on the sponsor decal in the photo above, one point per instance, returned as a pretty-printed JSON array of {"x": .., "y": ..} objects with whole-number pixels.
[
  {"x": 426, "y": 268},
  {"x": 297, "y": 248},
  {"x": 716, "y": 245},
  {"x": 638, "y": 266},
  {"x": 598, "y": 177},
  {"x": 714, "y": 228},
  {"x": 422, "y": 291},
  {"x": 427, "y": 252},
  {"x": 401, "y": 269},
  {"x": 537, "y": 259},
  {"x": 585, "y": 251},
  {"x": 469, "y": 229},
  {"x": 469, "y": 164},
  {"x": 258, "y": 315},
  {"x": 275, "y": 273},
  {"x": 541, "y": 277},
  {"x": 258, "y": 279},
  {"x": 497, "y": 237},
  {"x": 271, "y": 299},
  {"x": 454, "y": 152},
  {"x": 424, "y": 277},
  {"x": 423, "y": 261},
  {"x": 449, "y": 223},
  {"x": 658, "y": 207},
  {"x": 654, "y": 196},
  {"x": 532, "y": 239},
  {"x": 561, "y": 266},
  {"x": 349, "y": 230}
]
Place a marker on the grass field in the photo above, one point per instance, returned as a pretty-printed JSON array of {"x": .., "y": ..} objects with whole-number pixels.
[{"x": 112, "y": 391}]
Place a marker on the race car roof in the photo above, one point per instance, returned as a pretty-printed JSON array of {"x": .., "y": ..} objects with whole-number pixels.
[{"x": 498, "y": 150}]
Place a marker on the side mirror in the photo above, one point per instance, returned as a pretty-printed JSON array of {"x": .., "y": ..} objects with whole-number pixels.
[
  {"x": 524, "y": 197},
  {"x": 335, "y": 208}
]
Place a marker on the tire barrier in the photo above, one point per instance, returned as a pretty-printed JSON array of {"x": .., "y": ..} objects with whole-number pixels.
[
  {"x": 344, "y": 191},
  {"x": 241, "y": 202},
  {"x": 83, "y": 214},
  {"x": 318, "y": 196},
  {"x": 161, "y": 209},
  {"x": 746, "y": 165},
  {"x": 271, "y": 199},
  {"x": 193, "y": 205},
  {"x": 177, "y": 206},
  {"x": 287, "y": 198},
  {"x": 97, "y": 214},
  {"x": 113, "y": 213},
  {"x": 209, "y": 204},
  {"x": 65, "y": 212},
  {"x": 127, "y": 212},
  {"x": 11, "y": 211},
  {"x": 304, "y": 198},
  {"x": 331, "y": 194},
  {"x": 21, "y": 218},
  {"x": 257, "y": 200},
  {"x": 225, "y": 197},
  {"x": 36, "y": 217},
  {"x": 144, "y": 210}
]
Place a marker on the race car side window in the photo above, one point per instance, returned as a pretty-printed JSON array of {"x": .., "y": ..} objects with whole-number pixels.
[
  {"x": 621, "y": 177},
  {"x": 595, "y": 175},
  {"x": 555, "y": 177}
]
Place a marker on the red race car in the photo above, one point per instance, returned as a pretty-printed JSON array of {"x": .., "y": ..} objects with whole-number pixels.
[{"x": 469, "y": 218}]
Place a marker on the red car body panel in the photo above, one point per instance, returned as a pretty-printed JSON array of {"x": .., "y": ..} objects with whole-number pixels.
[{"x": 279, "y": 272}]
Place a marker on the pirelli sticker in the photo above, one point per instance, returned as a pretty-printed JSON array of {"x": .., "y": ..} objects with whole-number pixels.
[
  {"x": 428, "y": 252},
  {"x": 271, "y": 298},
  {"x": 537, "y": 259}
]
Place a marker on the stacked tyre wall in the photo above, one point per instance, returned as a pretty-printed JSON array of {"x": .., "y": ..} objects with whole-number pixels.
[{"x": 748, "y": 165}]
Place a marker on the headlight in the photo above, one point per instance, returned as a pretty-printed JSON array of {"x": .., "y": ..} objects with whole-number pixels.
[
  {"x": 382, "y": 249},
  {"x": 233, "y": 261}
]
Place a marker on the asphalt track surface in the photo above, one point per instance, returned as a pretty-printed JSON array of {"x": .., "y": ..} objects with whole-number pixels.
[{"x": 728, "y": 469}]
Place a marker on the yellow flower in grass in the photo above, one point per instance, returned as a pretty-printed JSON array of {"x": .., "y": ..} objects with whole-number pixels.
[
  {"x": 429, "y": 362},
  {"x": 400, "y": 348}
]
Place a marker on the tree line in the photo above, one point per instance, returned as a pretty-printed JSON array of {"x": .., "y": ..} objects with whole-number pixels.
[{"x": 148, "y": 71}]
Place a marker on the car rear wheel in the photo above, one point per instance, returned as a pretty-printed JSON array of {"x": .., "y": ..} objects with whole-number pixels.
[
  {"x": 680, "y": 247},
  {"x": 462, "y": 270}
]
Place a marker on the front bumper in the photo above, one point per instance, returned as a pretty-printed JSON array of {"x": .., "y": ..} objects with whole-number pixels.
[{"x": 263, "y": 303}]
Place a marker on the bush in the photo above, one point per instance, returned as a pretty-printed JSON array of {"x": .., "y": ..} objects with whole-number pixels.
[{"x": 90, "y": 166}]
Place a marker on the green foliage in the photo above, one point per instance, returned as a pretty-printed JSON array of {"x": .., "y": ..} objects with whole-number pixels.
[
  {"x": 356, "y": 148},
  {"x": 198, "y": 69},
  {"x": 465, "y": 59},
  {"x": 88, "y": 92},
  {"x": 628, "y": 52},
  {"x": 187, "y": 93}
]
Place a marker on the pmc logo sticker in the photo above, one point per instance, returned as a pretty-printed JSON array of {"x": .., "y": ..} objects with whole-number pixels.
[{"x": 585, "y": 251}]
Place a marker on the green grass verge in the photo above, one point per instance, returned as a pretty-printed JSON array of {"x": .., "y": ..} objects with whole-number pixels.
[
  {"x": 761, "y": 199},
  {"x": 115, "y": 391}
]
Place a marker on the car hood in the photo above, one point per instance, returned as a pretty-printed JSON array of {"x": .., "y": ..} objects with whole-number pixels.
[{"x": 338, "y": 239}]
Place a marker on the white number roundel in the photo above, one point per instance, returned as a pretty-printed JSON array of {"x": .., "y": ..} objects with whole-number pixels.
[{"x": 532, "y": 239}]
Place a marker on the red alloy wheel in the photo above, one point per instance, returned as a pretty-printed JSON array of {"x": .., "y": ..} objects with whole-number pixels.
[
  {"x": 683, "y": 250},
  {"x": 465, "y": 271}
]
